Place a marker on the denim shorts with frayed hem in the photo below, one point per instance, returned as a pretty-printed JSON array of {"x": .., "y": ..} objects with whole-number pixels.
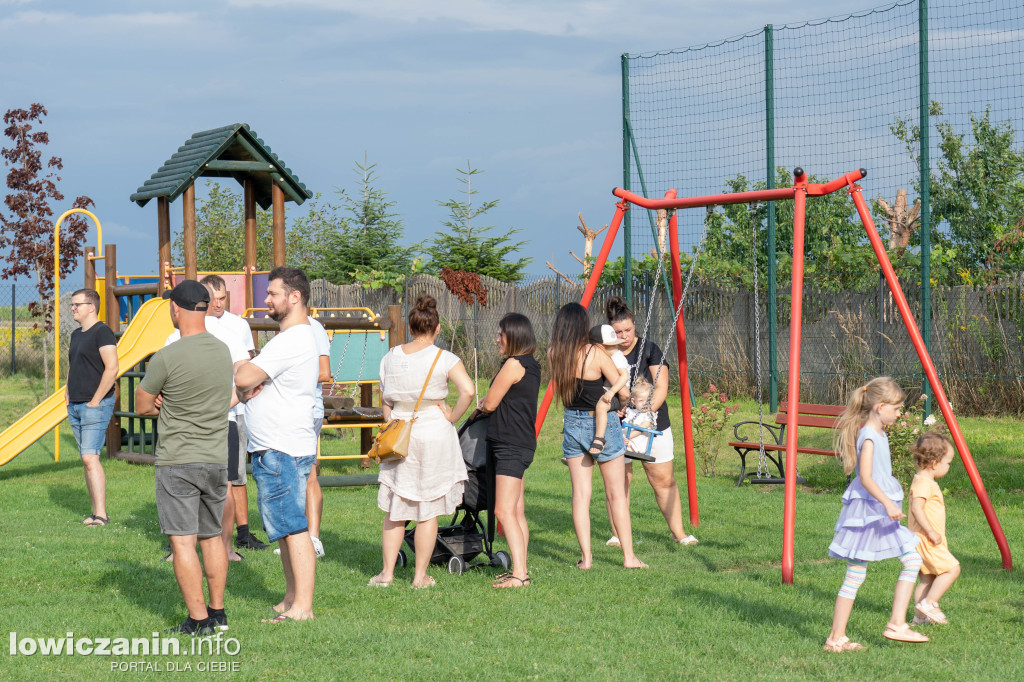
[
  {"x": 89, "y": 424},
  {"x": 578, "y": 434},
  {"x": 281, "y": 491}
]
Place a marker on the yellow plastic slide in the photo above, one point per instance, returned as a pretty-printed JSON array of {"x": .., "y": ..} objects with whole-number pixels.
[{"x": 146, "y": 334}]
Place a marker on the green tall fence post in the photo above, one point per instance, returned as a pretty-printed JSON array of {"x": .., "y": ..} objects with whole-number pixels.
[
  {"x": 926, "y": 250},
  {"x": 773, "y": 305},
  {"x": 627, "y": 240},
  {"x": 650, "y": 218}
]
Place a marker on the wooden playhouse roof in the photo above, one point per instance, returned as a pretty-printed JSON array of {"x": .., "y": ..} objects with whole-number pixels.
[{"x": 229, "y": 151}]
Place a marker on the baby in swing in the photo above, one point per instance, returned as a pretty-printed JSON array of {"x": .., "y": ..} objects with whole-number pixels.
[{"x": 639, "y": 413}]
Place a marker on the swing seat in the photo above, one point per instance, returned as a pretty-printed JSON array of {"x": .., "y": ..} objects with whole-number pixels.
[
  {"x": 368, "y": 416},
  {"x": 651, "y": 433},
  {"x": 808, "y": 415}
]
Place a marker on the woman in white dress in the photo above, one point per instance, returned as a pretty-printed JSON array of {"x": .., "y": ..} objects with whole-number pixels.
[{"x": 428, "y": 482}]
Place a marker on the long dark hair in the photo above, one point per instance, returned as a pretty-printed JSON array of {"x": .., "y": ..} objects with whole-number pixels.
[
  {"x": 569, "y": 336},
  {"x": 519, "y": 336}
]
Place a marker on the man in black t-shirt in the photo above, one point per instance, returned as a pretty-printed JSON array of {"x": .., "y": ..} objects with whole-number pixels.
[{"x": 89, "y": 394}]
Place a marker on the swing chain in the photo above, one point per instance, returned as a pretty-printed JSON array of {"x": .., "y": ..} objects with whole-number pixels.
[
  {"x": 344, "y": 351},
  {"x": 762, "y": 459},
  {"x": 679, "y": 308}
]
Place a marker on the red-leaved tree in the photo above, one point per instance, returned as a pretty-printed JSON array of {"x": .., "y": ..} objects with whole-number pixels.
[{"x": 26, "y": 233}]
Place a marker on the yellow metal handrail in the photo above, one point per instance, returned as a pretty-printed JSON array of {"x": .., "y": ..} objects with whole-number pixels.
[{"x": 56, "y": 306}]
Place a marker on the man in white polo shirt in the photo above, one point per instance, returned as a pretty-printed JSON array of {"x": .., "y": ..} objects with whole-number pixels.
[
  {"x": 234, "y": 326},
  {"x": 278, "y": 387}
]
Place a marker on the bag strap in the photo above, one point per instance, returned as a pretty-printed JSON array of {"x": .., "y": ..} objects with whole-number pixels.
[{"x": 424, "y": 389}]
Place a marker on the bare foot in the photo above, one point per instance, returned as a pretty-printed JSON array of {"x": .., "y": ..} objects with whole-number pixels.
[
  {"x": 585, "y": 564},
  {"x": 235, "y": 556},
  {"x": 634, "y": 563},
  {"x": 281, "y": 607},
  {"x": 428, "y": 581}
]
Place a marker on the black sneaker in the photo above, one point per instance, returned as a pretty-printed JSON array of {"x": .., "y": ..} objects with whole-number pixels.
[
  {"x": 218, "y": 619},
  {"x": 250, "y": 541},
  {"x": 193, "y": 628}
]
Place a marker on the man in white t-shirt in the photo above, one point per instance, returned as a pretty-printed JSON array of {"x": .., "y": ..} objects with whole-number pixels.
[
  {"x": 238, "y": 354},
  {"x": 234, "y": 325},
  {"x": 315, "y": 496},
  {"x": 278, "y": 387}
]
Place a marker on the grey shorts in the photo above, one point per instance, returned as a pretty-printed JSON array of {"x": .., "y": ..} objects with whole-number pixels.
[
  {"x": 238, "y": 451},
  {"x": 190, "y": 498}
]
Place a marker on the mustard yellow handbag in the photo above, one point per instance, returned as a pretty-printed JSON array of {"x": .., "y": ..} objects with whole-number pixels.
[{"x": 392, "y": 440}]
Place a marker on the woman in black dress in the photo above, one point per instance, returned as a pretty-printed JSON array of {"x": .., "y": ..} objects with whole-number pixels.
[{"x": 512, "y": 403}]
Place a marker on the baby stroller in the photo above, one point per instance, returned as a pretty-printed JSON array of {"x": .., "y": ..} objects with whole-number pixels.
[{"x": 466, "y": 537}]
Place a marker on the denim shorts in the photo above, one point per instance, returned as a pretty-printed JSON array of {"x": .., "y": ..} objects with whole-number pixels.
[
  {"x": 89, "y": 424},
  {"x": 190, "y": 498},
  {"x": 281, "y": 491},
  {"x": 578, "y": 433}
]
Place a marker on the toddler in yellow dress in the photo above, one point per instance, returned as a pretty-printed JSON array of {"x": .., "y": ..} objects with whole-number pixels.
[{"x": 933, "y": 455}]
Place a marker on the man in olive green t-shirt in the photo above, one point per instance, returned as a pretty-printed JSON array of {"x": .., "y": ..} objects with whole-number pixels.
[{"x": 188, "y": 384}]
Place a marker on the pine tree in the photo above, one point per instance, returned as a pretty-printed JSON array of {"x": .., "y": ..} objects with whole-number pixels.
[
  {"x": 466, "y": 246},
  {"x": 367, "y": 249}
]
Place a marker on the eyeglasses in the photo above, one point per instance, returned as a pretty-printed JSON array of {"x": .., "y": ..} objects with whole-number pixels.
[{"x": 78, "y": 305}]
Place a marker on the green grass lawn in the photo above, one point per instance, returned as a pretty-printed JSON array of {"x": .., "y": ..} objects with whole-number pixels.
[{"x": 716, "y": 610}]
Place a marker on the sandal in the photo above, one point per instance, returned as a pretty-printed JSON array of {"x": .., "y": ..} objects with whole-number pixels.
[
  {"x": 507, "y": 581},
  {"x": 842, "y": 644},
  {"x": 926, "y": 612},
  {"x": 95, "y": 520},
  {"x": 597, "y": 445},
  {"x": 904, "y": 634},
  {"x": 376, "y": 581}
]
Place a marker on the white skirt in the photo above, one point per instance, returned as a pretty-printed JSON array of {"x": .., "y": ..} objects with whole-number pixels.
[{"x": 401, "y": 509}]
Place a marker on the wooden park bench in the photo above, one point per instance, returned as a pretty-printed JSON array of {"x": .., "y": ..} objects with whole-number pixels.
[{"x": 808, "y": 415}]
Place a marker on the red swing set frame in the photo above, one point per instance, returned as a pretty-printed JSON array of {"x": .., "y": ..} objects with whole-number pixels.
[{"x": 798, "y": 194}]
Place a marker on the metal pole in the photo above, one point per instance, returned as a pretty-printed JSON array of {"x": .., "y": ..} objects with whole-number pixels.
[
  {"x": 627, "y": 241},
  {"x": 650, "y": 219},
  {"x": 793, "y": 389},
  {"x": 13, "y": 310},
  {"x": 773, "y": 303},
  {"x": 932, "y": 377},
  {"x": 926, "y": 248},
  {"x": 685, "y": 389}
]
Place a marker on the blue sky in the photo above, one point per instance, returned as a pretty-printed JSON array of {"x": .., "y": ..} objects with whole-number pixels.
[{"x": 527, "y": 91}]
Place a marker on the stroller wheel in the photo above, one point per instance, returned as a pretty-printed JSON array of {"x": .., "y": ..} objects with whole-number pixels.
[
  {"x": 400, "y": 561},
  {"x": 501, "y": 559},
  {"x": 456, "y": 565}
]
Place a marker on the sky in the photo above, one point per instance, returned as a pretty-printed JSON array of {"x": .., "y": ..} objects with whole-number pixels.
[{"x": 527, "y": 91}]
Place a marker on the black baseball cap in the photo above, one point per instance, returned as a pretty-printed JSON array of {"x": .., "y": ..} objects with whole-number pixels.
[{"x": 189, "y": 295}]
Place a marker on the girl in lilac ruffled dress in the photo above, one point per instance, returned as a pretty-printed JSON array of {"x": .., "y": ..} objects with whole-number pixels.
[{"x": 869, "y": 527}]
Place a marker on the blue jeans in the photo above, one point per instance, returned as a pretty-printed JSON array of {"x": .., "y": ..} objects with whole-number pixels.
[
  {"x": 281, "y": 491},
  {"x": 578, "y": 434},
  {"x": 89, "y": 424}
]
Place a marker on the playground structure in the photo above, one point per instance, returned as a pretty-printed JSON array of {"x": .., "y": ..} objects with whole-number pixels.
[
  {"x": 798, "y": 193},
  {"x": 230, "y": 151}
]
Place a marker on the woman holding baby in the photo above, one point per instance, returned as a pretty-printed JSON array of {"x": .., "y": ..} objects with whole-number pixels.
[{"x": 660, "y": 472}]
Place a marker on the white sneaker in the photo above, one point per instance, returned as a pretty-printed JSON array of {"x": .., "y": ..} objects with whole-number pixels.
[
  {"x": 613, "y": 542},
  {"x": 277, "y": 550},
  {"x": 318, "y": 546},
  {"x": 688, "y": 540}
]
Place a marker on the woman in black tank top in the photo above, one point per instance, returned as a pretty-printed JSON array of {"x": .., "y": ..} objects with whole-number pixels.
[
  {"x": 579, "y": 370},
  {"x": 660, "y": 473},
  {"x": 512, "y": 404}
]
